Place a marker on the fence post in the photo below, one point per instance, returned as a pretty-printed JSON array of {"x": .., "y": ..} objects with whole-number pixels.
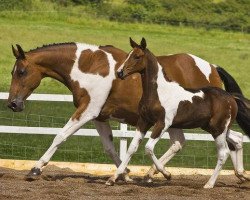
[{"x": 123, "y": 141}]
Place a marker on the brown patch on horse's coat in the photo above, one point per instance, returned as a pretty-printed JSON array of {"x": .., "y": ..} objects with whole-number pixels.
[
  {"x": 182, "y": 69},
  {"x": 118, "y": 54},
  {"x": 125, "y": 95},
  {"x": 81, "y": 101},
  {"x": 94, "y": 62},
  {"x": 214, "y": 77}
]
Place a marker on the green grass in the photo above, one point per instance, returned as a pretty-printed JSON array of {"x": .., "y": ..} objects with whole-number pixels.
[{"x": 227, "y": 49}]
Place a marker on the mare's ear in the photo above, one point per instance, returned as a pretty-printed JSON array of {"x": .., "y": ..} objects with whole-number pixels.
[
  {"x": 143, "y": 43},
  {"x": 15, "y": 52},
  {"x": 20, "y": 51},
  {"x": 133, "y": 44}
]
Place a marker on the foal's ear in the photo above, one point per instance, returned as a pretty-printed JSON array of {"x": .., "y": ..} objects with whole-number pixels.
[
  {"x": 20, "y": 51},
  {"x": 143, "y": 43},
  {"x": 133, "y": 44},
  {"x": 15, "y": 52}
]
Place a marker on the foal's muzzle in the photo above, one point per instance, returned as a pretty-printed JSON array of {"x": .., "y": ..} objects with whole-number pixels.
[
  {"x": 120, "y": 74},
  {"x": 16, "y": 105}
]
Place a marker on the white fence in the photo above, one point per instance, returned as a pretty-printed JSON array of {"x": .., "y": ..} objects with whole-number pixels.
[{"x": 123, "y": 133}]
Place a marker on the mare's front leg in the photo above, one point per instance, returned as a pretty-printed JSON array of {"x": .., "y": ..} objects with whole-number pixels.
[
  {"x": 158, "y": 130},
  {"x": 177, "y": 141},
  {"x": 83, "y": 114},
  {"x": 142, "y": 129}
]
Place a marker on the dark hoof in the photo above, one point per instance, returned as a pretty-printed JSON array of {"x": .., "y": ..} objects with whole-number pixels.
[
  {"x": 34, "y": 174},
  {"x": 127, "y": 170},
  {"x": 110, "y": 182}
]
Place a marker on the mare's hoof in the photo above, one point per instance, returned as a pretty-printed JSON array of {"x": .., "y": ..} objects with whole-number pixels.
[
  {"x": 34, "y": 174},
  {"x": 110, "y": 182}
]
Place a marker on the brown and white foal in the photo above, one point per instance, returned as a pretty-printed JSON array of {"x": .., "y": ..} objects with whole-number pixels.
[{"x": 165, "y": 103}]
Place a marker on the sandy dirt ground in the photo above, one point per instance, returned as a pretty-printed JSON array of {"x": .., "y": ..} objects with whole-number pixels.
[{"x": 56, "y": 183}]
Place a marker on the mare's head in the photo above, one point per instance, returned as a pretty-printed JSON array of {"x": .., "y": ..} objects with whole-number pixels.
[
  {"x": 136, "y": 60},
  {"x": 25, "y": 78}
]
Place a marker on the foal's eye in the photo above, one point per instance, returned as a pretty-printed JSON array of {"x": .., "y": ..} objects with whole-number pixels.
[
  {"x": 137, "y": 57},
  {"x": 21, "y": 72}
]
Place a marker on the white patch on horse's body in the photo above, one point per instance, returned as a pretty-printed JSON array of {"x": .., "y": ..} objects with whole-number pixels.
[
  {"x": 171, "y": 94},
  {"x": 203, "y": 65},
  {"x": 97, "y": 86},
  {"x": 122, "y": 65}
]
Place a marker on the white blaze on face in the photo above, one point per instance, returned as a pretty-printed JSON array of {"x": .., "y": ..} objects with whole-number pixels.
[
  {"x": 122, "y": 65},
  {"x": 203, "y": 65},
  {"x": 14, "y": 69},
  {"x": 98, "y": 87},
  {"x": 171, "y": 94}
]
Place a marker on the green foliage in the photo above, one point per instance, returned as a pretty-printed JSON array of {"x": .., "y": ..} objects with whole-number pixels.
[
  {"x": 226, "y": 15},
  {"x": 15, "y": 5}
]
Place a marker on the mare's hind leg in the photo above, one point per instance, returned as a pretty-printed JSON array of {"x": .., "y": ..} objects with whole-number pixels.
[
  {"x": 105, "y": 132},
  {"x": 236, "y": 139},
  {"x": 177, "y": 141},
  {"x": 223, "y": 153}
]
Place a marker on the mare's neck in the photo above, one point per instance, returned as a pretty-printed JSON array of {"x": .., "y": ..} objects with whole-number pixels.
[
  {"x": 149, "y": 78},
  {"x": 55, "y": 63}
]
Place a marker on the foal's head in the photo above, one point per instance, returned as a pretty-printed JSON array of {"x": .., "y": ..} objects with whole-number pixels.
[
  {"x": 136, "y": 60},
  {"x": 25, "y": 78}
]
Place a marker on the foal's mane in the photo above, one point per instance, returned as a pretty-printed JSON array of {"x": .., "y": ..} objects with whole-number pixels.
[{"x": 48, "y": 46}]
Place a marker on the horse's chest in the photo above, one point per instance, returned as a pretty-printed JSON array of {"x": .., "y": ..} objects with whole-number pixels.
[{"x": 151, "y": 110}]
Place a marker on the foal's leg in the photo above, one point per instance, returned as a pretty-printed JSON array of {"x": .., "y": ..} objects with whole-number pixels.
[
  {"x": 223, "y": 153},
  {"x": 177, "y": 141},
  {"x": 236, "y": 139},
  {"x": 157, "y": 132},
  {"x": 105, "y": 132},
  {"x": 139, "y": 135}
]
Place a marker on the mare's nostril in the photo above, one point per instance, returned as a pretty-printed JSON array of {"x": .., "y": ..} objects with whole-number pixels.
[{"x": 13, "y": 104}]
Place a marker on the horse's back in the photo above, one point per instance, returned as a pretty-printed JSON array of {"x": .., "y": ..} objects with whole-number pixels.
[{"x": 190, "y": 71}]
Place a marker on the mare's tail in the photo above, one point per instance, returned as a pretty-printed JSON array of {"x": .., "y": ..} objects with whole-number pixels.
[{"x": 231, "y": 86}]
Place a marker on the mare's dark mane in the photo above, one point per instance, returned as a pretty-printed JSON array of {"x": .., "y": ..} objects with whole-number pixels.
[{"x": 48, "y": 46}]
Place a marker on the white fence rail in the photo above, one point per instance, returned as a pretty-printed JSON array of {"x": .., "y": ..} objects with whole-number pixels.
[{"x": 123, "y": 133}]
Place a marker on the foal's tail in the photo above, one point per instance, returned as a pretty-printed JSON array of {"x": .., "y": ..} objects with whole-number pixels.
[{"x": 231, "y": 86}]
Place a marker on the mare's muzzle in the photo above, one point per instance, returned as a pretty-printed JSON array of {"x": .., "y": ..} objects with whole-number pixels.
[
  {"x": 16, "y": 105},
  {"x": 120, "y": 74}
]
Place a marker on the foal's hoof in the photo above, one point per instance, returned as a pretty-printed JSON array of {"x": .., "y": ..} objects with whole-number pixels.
[
  {"x": 127, "y": 178},
  {"x": 243, "y": 176},
  {"x": 34, "y": 174},
  {"x": 148, "y": 179},
  {"x": 110, "y": 182},
  {"x": 208, "y": 186},
  {"x": 167, "y": 175}
]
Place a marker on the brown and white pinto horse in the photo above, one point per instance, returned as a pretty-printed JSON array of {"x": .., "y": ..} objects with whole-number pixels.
[
  {"x": 165, "y": 103},
  {"x": 89, "y": 72}
]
